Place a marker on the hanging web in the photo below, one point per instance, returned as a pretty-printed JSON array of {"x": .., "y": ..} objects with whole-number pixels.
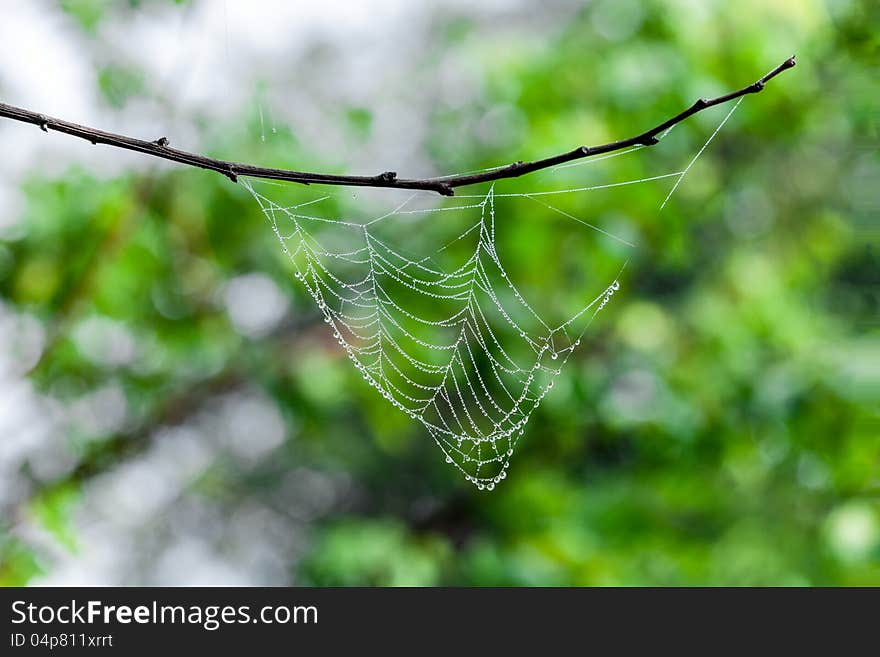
[{"x": 416, "y": 290}]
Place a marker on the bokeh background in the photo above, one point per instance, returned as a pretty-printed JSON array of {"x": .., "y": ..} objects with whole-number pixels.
[{"x": 172, "y": 411}]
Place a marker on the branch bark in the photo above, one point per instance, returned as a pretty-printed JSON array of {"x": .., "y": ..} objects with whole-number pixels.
[{"x": 443, "y": 185}]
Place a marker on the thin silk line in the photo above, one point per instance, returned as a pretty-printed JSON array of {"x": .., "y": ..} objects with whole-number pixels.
[
  {"x": 578, "y": 189},
  {"x": 700, "y": 152},
  {"x": 571, "y": 216}
]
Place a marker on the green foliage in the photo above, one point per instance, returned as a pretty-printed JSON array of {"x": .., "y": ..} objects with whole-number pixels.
[
  {"x": 719, "y": 426},
  {"x": 52, "y": 511},
  {"x": 386, "y": 555},
  {"x": 18, "y": 563},
  {"x": 118, "y": 84},
  {"x": 87, "y": 13}
]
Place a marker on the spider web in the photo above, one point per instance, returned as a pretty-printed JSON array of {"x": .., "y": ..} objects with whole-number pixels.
[{"x": 447, "y": 337}]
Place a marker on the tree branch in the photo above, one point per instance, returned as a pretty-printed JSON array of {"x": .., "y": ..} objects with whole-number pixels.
[{"x": 443, "y": 185}]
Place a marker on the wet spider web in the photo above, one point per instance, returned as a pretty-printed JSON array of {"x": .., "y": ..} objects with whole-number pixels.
[{"x": 446, "y": 336}]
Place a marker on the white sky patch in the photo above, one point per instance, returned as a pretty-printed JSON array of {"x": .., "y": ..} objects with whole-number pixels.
[
  {"x": 105, "y": 341},
  {"x": 255, "y": 304},
  {"x": 250, "y": 426}
]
